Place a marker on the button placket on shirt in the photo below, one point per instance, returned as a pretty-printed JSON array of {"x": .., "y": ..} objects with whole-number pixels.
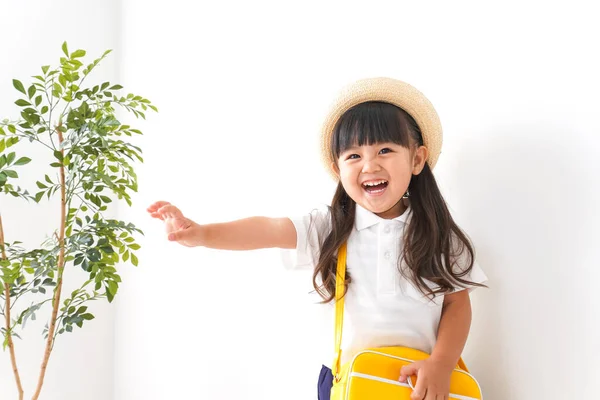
[{"x": 387, "y": 279}]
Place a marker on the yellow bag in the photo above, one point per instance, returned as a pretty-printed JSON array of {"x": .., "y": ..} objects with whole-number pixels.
[{"x": 374, "y": 373}]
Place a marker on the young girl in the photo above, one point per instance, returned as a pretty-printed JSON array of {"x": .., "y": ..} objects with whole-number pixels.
[{"x": 408, "y": 263}]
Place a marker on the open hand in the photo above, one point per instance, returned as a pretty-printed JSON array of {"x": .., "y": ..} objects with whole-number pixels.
[
  {"x": 433, "y": 379},
  {"x": 179, "y": 228}
]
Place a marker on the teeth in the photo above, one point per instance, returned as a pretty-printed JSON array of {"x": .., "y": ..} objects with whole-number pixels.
[{"x": 374, "y": 183}]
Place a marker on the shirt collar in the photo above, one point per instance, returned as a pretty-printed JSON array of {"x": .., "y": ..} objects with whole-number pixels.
[{"x": 365, "y": 218}]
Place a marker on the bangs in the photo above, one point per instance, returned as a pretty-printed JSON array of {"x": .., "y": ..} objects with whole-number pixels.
[{"x": 371, "y": 123}]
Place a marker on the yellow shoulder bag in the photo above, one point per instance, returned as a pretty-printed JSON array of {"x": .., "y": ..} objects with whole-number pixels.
[{"x": 374, "y": 373}]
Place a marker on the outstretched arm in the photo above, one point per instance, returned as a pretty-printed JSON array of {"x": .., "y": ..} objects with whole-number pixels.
[{"x": 244, "y": 234}]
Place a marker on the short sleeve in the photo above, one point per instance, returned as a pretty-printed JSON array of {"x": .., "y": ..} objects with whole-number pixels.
[
  {"x": 475, "y": 275},
  {"x": 311, "y": 231}
]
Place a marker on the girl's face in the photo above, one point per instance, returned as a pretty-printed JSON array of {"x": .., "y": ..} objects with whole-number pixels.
[{"x": 377, "y": 176}]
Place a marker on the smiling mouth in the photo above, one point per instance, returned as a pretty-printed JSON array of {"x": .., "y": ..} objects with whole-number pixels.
[{"x": 375, "y": 187}]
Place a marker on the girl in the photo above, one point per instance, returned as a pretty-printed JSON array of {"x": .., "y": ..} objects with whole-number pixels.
[{"x": 408, "y": 263}]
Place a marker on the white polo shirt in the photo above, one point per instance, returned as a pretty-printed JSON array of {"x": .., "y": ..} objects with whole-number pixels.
[{"x": 382, "y": 308}]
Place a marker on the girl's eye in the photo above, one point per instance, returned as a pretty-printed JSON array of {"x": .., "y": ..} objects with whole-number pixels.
[
  {"x": 385, "y": 150},
  {"x": 352, "y": 157}
]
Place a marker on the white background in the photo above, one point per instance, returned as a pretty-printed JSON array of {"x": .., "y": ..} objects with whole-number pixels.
[{"x": 242, "y": 88}]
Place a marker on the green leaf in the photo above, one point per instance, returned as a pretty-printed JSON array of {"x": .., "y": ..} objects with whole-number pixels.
[
  {"x": 45, "y": 69},
  {"x": 65, "y": 49},
  {"x": 22, "y": 103},
  {"x": 31, "y": 91},
  {"x": 38, "y": 100},
  {"x": 23, "y": 161},
  {"x": 112, "y": 287},
  {"x": 10, "y": 173},
  {"x": 134, "y": 259},
  {"x": 78, "y": 53},
  {"x": 115, "y": 87},
  {"x": 57, "y": 89},
  {"x": 38, "y": 196},
  {"x": 19, "y": 86},
  {"x": 10, "y": 158},
  {"x": 107, "y": 249}
]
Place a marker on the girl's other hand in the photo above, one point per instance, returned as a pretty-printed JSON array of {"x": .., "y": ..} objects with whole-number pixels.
[
  {"x": 179, "y": 228},
  {"x": 433, "y": 379}
]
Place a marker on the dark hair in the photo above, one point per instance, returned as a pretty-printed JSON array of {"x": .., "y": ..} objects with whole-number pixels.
[{"x": 432, "y": 241}]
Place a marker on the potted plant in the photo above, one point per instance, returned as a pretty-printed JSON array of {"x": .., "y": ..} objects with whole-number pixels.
[{"x": 92, "y": 166}]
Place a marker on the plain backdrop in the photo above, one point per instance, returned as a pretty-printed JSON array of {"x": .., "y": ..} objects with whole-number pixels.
[{"x": 242, "y": 88}]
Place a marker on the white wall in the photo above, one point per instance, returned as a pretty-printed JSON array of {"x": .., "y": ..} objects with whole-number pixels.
[
  {"x": 31, "y": 35},
  {"x": 242, "y": 88}
]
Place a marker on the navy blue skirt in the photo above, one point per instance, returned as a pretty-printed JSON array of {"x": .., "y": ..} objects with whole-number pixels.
[{"x": 325, "y": 383}]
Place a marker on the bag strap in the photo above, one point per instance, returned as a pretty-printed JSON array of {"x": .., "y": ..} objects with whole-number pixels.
[{"x": 340, "y": 278}]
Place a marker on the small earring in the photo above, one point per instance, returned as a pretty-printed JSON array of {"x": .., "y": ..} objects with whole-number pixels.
[{"x": 406, "y": 195}]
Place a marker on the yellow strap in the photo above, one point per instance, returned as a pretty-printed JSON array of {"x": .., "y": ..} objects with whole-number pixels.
[
  {"x": 462, "y": 365},
  {"x": 340, "y": 278}
]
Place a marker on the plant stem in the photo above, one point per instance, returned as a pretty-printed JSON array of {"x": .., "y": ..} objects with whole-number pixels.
[
  {"x": 60, "y": 265},
  {"x": 11, "y": 345}
]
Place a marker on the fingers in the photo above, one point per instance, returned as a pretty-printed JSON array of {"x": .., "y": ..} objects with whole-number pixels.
[
  {"x": 153, "y": 209},
  {"x": 178, "y": 235},
  {"x": 420, "y": 391},
  {"x": 170, "y": 211},
  {"x": 163, "y": 209},
  {"x": 156, "y": 205},
  {"x": 438, "y": 396},
  {"x": 408, "y": 370},
  {"x": 419, "y": 394},
  {"x": 428, "y": 393}
]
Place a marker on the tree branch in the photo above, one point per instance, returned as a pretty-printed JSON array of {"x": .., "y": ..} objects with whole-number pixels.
[
  {"x": 11, "y": 345},
  {"x": 61, "y": 267}
]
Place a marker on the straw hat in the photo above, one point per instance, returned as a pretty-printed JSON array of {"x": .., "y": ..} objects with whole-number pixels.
[{"x": 391, "y": 91}]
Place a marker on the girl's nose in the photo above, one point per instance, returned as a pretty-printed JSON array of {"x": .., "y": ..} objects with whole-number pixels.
[{"x": 371, "y": 166}]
